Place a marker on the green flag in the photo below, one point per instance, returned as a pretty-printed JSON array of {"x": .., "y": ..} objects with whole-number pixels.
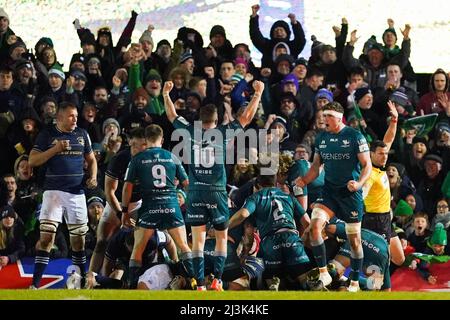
[
  {"x": 430, "y": 258},
  {"x": 422, "y": 124}
]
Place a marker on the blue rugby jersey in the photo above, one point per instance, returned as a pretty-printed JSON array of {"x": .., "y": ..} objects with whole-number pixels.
[{"x": 64, "y": 171}]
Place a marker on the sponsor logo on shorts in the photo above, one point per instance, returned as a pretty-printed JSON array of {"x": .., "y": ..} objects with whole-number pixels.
[
  {"x": 161, "y": 210},
  {"x": 205, "y": 205}
]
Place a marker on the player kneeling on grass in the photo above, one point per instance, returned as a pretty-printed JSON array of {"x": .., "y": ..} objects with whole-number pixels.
[
  {"x": 241, "y": 264},
  {"x": 118, "y": 253},
  {"x": 376, "y": 258},
  {"x": 281, "y": 247}
]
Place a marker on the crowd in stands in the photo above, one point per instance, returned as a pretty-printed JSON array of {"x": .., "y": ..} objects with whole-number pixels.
[{"x": 117, "y": 87}]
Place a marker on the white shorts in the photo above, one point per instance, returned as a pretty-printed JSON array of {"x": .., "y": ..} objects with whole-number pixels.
[
  {"x": 56, "y": 204},
  {"x": 109, "y": 216},
  {"x": 157, "y": 277}
]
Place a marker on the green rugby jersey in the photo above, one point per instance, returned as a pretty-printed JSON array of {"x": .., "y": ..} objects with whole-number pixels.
[
  {"x": 273, "y": 210},
  {"x": 339, "y": 153},
  {"x": 207, "y": 155},
  {"x": 154, "y": 171}
]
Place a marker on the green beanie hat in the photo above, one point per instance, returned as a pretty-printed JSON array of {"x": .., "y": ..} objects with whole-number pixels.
[
  {"x": 403, "y": 209},
  {"x": 439, "y": 235},
  {"x": 183, "y": 194},
  {"x": 153, "y": 75}
]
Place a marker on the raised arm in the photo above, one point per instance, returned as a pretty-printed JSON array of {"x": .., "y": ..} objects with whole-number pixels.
[
  {"x": 247, "y": 116},
  {"x": 299, "y": 35},
  {"x": 256, "y": 36},
  {"x": 392, "y": 129},
  {"x": 171, "y": 112}
]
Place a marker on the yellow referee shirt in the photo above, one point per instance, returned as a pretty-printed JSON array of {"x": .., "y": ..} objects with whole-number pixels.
[{"x": 376, "y": 192}]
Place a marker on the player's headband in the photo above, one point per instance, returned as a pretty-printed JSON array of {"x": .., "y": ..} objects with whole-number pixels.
[{"x": 333, "y": 113}]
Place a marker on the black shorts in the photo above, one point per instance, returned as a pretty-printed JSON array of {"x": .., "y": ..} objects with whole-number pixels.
[{"x": 379, "y": 223}]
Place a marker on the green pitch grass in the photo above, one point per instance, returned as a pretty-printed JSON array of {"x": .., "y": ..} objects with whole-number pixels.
[{"x": 227, "y": 295}]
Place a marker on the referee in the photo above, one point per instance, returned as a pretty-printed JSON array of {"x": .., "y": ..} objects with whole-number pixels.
[{"x": 377, "y": 194}]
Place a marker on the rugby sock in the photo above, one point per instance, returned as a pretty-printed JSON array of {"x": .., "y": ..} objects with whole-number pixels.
[
  {"x": 199, "y": 267},
  {"x": 108, "y": 283},
  {"x": 319, "y": 252},
  {"x": 356, "y": 262},
  {"x": 186, "y": 260},
  {"x": 79, "y": 260},
  {"x": 219, "y": 263},
  {"x": 40, "y": 263},
  {"x": 134, "y": 268}
]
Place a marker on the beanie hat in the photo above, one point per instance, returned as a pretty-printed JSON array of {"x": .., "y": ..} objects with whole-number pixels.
[
  {"x": 77, "y": 57},
  {"x": 217, "y": 29},
  {"x": 399, "y": 97},
  {"x": 7, "y": 211},
  {"x": 23, "y": 157},
  {"x": 162, "y": 42},
  {"x": 236, "y": 77},
  {"x": 242, "y": 45},
  {"x": 17, "y": 44},
  {"x": 153, "y": 75},
  {"x": 391, "y": 30},
  {"x": 290, "y": 78},
  {"x": 375, "y": 46},
  {"x": 279, "y": 120},
  {"x": 46, "y": 41},
  {"x": 104, "y": 31},
  {"x": 400, "y": 168},
  {"x": 4, "y": 14},
  {"x": 327, "y": 47},
  {"x": 46, "y": 99},
  {"x": 109, "y": 121},
  {"x": 369, "y": 43},
  {"x": 194, "y": 94},
  {"x": 361, "y": 92},
  {"x": 183, "y": 194},
  {"x": 442, "y": 126},
  {"x": 141, "y": 92},
  {"x": 439, "y": 235},
  {"x": 93, "y": 59},
  {"x": 147, "y": 35},
  {"x": 403, "y": 209},
  {"x": 324, "y": 94},
  {"x": 95, "y": 199},
  {"x": 87, "y": 38},
  {"x": 186, "y": 56},
  {"x": 22, "y": 63},
  {"x": 433, "y": 157},
  {"x": 417, "y": 139},
  {"x": 285, "y": 57},
  {"x": 316, "y": 47},
  {"x": 57, "y": 70},
  {"x": 240, "y": 60},
  {"x": 77, "y": 74},
  {"x": 289, "y": 95},
  {"x": 302, "y": 61}
]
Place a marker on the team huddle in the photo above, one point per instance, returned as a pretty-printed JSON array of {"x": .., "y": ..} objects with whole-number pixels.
[{"x": 270, "y": 242}]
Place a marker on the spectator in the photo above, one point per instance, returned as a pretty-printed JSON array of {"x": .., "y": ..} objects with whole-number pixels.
[
  {"x": 279, "y": 32},
  {"x": 12, "y": 246}
]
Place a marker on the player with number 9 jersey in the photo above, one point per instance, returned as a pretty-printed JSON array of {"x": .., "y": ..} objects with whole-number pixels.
[{"x": 154, "y": 171}]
